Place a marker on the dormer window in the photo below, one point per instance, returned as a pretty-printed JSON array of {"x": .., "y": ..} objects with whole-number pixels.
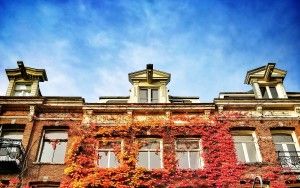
[
  {"x": 22, "y": 89},
  {"x": 268, "y": 92},
  {"x": 267, "y": 82},
  {"x": 148, "y": 95},
  {"x": 24, "y": 81}
]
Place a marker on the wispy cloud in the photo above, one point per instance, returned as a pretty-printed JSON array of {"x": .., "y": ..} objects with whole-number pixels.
[{"x": 89, "y": 47}]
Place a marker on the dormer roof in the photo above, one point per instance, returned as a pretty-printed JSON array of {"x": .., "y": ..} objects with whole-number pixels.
[
  {"x": 265, "y": 73},
  {"x": 149, "y": 75},
  {"x": 26, "y": 73}
]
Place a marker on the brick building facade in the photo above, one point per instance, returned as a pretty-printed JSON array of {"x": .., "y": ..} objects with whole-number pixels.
[{"x": 150, "y": 138}]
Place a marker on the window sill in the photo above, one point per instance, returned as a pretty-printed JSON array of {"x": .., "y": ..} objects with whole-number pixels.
[{"x": 47, "y": 163}]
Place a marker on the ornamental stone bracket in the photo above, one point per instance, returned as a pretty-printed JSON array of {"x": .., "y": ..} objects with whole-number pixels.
[
  {"x": 220, "y": 108},
  {"x": 32, "y": 111},
  {"x": 297, "y": 110},
  {"x": 87, "y": 117}
]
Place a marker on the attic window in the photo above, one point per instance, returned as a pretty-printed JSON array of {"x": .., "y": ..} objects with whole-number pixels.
[
  {"x": 148, "y": 95},
  {"x": 268, "y": 92},
  {"x": 22, "y": 89}
]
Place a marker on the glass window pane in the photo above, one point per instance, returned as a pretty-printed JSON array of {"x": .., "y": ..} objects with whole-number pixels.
[
  {"x": 17, "y": 135},
  {"x": 264, "y": 92},
  {"x": 182, "y": 158},
  {"x": 243, "y": 138},
  {"x": 54, "y": 146},
  {"x": 150, "y": 144},
  {"x": 154, "y": 95},
  {"x": 47, "y": 152},
  {"x": 278, "y": 147},
  {"x": 25, "y": 93},
  {"x": 143, "y": 95},
  {"x": 273, "y": 92},
  {"x": 56, "y": 135},
  {"x": 240, "y": 152},
  {"x": 291, "y": 147},
  {"x": 113, "y": 160},
  {"x": 18, "y": 93},
  {"x": 103, "y": 159},
  {"x": 282, "y": 138},
  {"x": 186, "y": 144},
  {"x": 251, "y": 152},
  {"x": 59, "y": 152},
  {"x": 143, "y": 159},
  {"x": 22, "y": 87},
  {"x": 194, "y": 160},
  {"x": 155, "y": 160}
]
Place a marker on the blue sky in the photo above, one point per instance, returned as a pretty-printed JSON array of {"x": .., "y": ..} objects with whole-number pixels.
[{"x": 89, "y": 47}]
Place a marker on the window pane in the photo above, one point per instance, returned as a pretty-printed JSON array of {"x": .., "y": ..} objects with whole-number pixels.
[
  {"x": 56, "y": 135},
  {"x": 240, "y": 152},
  {"x": 17, "y": 135},
  {"x": 243, "y": 138},
  {"x": 59, "y": 152},
  {"x": 155, "y": 160},
  {"x": 194, "y": 160},
  {"x": 22, "y": 87},
  {"x": 182, "y": 158},
  {"x": 251, "y": 152},
  {"x": 18, "y": 93},
  {"x": 103, "y": 159},
  {"x": 264, "y": 92},
  {"x": 282, "y": 138},
  {"x": 273, "y": 92},
  {"x": 143, "y": 159},
  {"x": 154, "y": 95},
  {"x": 47, "y": 152},
  {"x": 187, "y": 144},
  {"x": 151, "y": 144},
  {"x": 143, "y": 95},
  {"x": 54, "y": 146},
  {"x": 278, "y": 147},
  {"x": 291, "y": 147},
  {"x": 113, "y": 160}
]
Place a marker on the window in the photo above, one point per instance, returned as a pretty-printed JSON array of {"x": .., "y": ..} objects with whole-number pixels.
[
  {"x": 14, "y": 136},
  {"x": 107, "y": 154},
  {"x": 53, "y": 146},
  {"x": 22, "y": 89},
  {"x": 148, "y": 95},
  {"x": 11, "y": 141},
  {"x": 268, "y": 92},
  {"x": 246, "y": 147},
  {"x": 287, "y": 148},
  {"x": 150, "y": 153},
  {"x": 188, "y": 153}
]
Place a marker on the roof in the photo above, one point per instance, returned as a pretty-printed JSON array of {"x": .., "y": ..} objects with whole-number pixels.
[
  {"x": 265, "y": 73},
  {"x": 27, "y": 73},
  {"x": 149, "y": 74}
]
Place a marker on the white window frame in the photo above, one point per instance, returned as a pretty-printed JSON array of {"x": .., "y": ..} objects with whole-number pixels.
[
  {"x": 109, "y": 153},
  {"x": 149, "y": 94},
  {"x": 200, "y": 162},
  {"x": 26, "y": 92},
  {"x": 152, "y": 150},
  {"x": 255, "y": 141},
  {"x": 42, "y": 143},
  {"x": 284, "y": 144},
  {"x": 289, "y": 132}
]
